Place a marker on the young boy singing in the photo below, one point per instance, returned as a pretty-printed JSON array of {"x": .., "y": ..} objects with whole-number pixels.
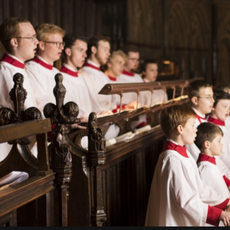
[
  {"x": 218, "y": 116},
  {"x": 178, "y": 197},
  {"x": 209, "y": 141}
]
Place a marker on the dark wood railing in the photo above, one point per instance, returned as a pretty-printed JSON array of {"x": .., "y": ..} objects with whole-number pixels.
[{"x": 110, "y": 184}]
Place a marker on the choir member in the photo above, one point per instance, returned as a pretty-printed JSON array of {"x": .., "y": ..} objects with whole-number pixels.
[{"x": 19, "y": 40}]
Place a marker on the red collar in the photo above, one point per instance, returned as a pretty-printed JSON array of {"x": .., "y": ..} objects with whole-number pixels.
[
  {"x": 68, "y": 71},
  {"x": 203, "y": 157},
  {"x": 171, "y": 146},
  {"x": 39, "y": 61},
  {"x": 131, "y": 74},
  {"x": 112, "y": 78},
  {"x": 199, "y": 118},
  {"x": 118, "y": 107},
  {"x": 12, "y": 61},
  {"x": 216, "y": 121},
  {"x": 92, "y": 66}
]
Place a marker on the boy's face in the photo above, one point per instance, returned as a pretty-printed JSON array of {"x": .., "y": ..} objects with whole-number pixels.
[
  {"x": 133, "y": 61},
  {"x": 151, "y": 72},
  {"x": 78, "y": 53},
  {"x": 216, "y": 146},
  {"x": 204, "y": 102},
  {"x": 103, "y": 52},
  {"x": 189, "y": 131},
  {"x": 53, "y": 47},
  {"x": 221, "y": 110},
  {"x": 116, "y": 67}
]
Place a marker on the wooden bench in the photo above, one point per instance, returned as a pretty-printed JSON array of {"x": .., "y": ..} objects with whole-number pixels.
[
  {"x": 109, "y": 185},
  {"x": 17, "y": 202}
]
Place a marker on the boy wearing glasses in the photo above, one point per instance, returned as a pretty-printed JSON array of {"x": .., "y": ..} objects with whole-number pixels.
[
  {"x": 218, "y": 117},
  {"x": 19, "y": 40},
  {"x": 201, "y": 99},
  {"x": 41, "y": 70}
]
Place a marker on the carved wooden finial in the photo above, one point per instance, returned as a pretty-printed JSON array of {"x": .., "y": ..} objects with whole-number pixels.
[
  {"x": 61, "y": 113},
  {"x": 18, "y": 95}
]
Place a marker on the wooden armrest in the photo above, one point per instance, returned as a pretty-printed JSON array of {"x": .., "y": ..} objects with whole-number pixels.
[{"x": 25, "y": 129}]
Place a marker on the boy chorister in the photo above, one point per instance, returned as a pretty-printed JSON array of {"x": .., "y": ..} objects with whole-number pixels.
[
  {"x": 209, "y": 141},
  {"x": 218, "y": 116},
  {"x": 201, "y": 99},
  {"x": 40, "y": 69},
  {"x": 178, "y": 196}
]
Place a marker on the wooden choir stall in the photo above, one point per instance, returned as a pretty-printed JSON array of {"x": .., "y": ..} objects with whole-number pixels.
[
  {"x": 108, "y": 183},
  {"x": 105, "y": 184}
]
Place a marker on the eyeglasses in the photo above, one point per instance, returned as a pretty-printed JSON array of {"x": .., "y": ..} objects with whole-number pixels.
[
  {"x": 32, "y": 38},
  {"x": 209, "y": 98},
  {"x": 57, "y": 44},
  {"x": 134, "y": 59}
]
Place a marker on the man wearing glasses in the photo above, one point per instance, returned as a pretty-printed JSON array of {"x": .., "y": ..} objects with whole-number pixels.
[
  {"x": 41, "y": 70},
  {"x": 19, "y": 40},
  {"x": 129, "y": 75}
]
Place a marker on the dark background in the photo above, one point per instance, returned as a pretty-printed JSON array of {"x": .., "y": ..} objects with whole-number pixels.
[{"x": 193, "y": 34}]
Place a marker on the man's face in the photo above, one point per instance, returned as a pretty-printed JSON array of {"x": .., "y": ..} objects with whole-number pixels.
[
  {"x": 116, "y": 67},
  {"x": 133, "y": 61},
  {"x": 151, "y": 72},
  {"x": 78, "y": 54},
  {"x": 103, "y": 52},
  {"x": 53, "y": 47},
  {"x": 27, "y": 44}
]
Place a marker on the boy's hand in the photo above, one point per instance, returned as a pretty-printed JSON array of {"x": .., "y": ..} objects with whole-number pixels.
[{"x": 225, "y": 217}]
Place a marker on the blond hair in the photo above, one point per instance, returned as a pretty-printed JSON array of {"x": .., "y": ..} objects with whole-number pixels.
[
  {"x": 117, "y": 53},
  {"x": 45, "y": 29},
  {"x": 173, "y": 116}
]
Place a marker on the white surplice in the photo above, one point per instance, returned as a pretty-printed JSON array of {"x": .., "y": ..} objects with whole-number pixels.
[
  {"x": 42, "y": 81},
  {"x": 77, "y": 91},
  {"x": 212, "y": 176},
  {"x": 7, "y": 71},
  {"x": 158, "y": 96},
  {"x": 95, "y": 81}
]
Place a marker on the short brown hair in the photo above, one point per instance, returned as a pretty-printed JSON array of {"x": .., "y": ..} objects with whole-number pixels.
[
  {"x": 173, "y": 116},
  {"x": 43, "y": 30},
  {"x": 206, "y": 131},
  {"x": 94, "y": 41},
  {"x": 119, "y": 53},
  {"x": 130, "y": 48},
  {"x": 195, "y": 86},
  {"x": 10, "y": 29},
  {"x": 222, "y": 86},
  {"x": 220, "y": 95}
]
